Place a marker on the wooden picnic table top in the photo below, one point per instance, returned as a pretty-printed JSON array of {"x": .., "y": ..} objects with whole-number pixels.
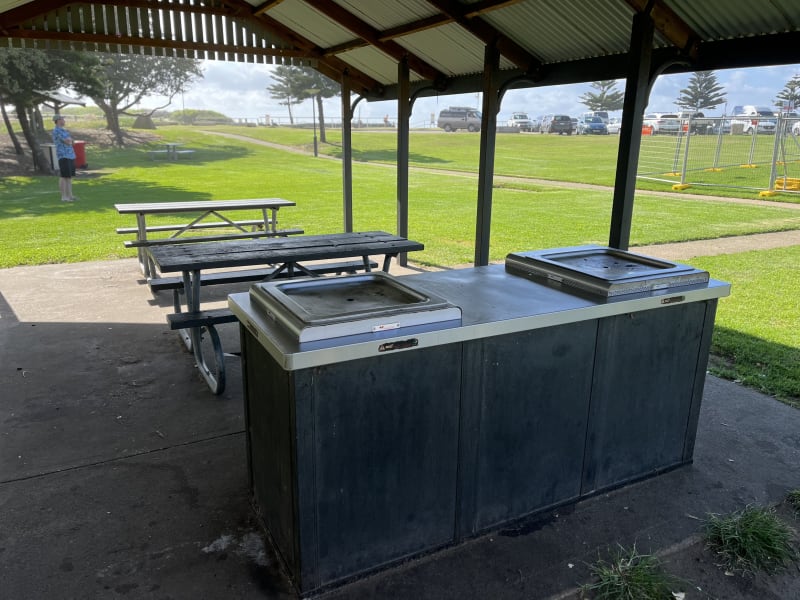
[
  {"x": 201, "y": 205},
  {"x": 212, "y": 255}
]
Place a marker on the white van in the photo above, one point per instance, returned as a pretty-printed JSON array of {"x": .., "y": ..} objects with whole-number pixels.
[
  {"x": 749, "y": 118},
  {"x": 597, "y": 113}
]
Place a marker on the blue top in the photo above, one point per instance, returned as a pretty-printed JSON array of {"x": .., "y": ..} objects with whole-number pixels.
[{"x": 63, "y": 149}]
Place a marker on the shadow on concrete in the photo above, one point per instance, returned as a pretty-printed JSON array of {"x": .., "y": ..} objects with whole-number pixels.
[{"x": 122, "y": 475}]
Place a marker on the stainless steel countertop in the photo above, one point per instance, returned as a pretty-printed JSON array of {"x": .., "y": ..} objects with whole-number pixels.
[{"x": 492, "y": 301}]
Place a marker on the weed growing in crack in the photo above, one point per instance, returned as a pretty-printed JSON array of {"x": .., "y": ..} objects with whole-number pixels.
[
  {"x": 631, "y": 576},
  {"x": 750, "y": 540}
]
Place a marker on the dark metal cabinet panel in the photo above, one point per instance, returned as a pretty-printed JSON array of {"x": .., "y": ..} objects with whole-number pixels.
[
  {"x": 526, "y": 401},
  {"x": 354, "y": 465},
  {"x": 645, "y": 387},
  {"x": 270, "y": 446},
  {"x": 385, "y": 439}
]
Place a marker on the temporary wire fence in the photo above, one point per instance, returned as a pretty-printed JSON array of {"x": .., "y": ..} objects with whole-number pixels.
[{"x": 726, "y": 153}]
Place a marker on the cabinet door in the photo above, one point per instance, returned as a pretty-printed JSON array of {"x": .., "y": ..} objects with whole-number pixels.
[
  {"x": 644, "y": 386},
  {"x": 526, "y": 401},
  {"x": 383, "y": 437}
]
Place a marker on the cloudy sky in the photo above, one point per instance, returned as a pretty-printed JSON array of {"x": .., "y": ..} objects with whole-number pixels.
[{"x": 239, "y": 90}]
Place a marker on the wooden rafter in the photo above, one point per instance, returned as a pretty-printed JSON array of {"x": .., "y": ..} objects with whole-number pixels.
[
  {"x": 265, "y": 6},
  {"x": 246, "y": 37},
  {"x": 488, "y": 34},
  {"x": 372, "y": 36},
  {"x": 669, "y": 24},
  {"x": 431, "y": 22}
]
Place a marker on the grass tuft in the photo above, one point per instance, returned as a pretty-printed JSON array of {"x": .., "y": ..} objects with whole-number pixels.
[
  {"x": 750, "y": 540},
  {"x": 631, "y": 576},
  {"x": 793, "y": 499}
]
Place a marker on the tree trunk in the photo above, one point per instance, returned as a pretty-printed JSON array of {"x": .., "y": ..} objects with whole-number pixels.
[
  {"x": 112, "y": 120},
  {"x": 14, "y": 139},
  {"x": 40, "y": 161},
  {"x": 37, "y": 121},
  {"x": 322, "y": 139},
  {"x": 289, "y": 107}
]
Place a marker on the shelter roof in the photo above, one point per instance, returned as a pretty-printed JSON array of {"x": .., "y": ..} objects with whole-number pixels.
[
  {"x": 59, "y": 98},
  {"x": 541, "y": 42}
]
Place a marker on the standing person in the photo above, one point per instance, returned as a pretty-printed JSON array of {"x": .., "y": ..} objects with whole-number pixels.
[{"x": 66, "y": 158}]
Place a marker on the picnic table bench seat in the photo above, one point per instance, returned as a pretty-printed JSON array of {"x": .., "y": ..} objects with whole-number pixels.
[
  {"x": 224, "y": 277},
  {"x": 208, "y": 320},
  {"x": 176, "y": 284},
  {"x": 203, "y": 318},
  {"x": 258, "y": 224},
  {"x": 211, "y": 238}
]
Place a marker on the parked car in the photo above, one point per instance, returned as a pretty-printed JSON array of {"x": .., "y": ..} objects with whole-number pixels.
[
  {"x": 696, "y": 122},
  {"x": 663, "y": 122},
  {"x": 614, "y": 125},
  {"x": 603, "y": 114},
  {"x": 521, "y": 120},
  {"x": 750, "y": 118},
  {"x": 791, "y": 122},
  {"x": 459, "y": 117},
  {"x": 593, "y": 125},
  {"x": 721, "y": 123},
  {"x": 557, "y": 124}
]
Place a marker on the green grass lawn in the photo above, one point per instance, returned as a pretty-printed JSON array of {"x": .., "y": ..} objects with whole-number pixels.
[{"x": 751, "y": 340}]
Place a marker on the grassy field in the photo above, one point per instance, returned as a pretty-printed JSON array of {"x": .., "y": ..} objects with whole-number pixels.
[{"x": 756, "y": 341}]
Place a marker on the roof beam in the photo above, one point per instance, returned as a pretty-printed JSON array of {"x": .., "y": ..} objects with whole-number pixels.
[
  {"x": 265, "y": 6},
  {"x": 480, "y": 8},
  {"x": 330, "y": 66},
  {"x": 488, "y": 34},
  {"x": 371, "y": 35},
  {"x": 424, "y": 24},
  {"x": 669, "y": 24}
]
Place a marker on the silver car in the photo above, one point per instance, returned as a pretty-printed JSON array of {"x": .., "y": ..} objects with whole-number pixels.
[{"x": 663, "y": 122}]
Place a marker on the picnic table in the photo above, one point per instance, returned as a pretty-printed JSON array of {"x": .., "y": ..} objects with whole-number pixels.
[
  {"x": 171, "y": 151},
  {"x": 267, "y": 225},
  {"x": 275, "y": 258}
]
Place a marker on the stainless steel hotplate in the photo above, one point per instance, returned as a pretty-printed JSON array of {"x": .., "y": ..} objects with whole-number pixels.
[
  {"x": 329, "y": 307},
  {"x": 604, "y": 271}
]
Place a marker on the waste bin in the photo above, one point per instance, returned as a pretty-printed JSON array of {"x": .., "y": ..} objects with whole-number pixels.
[
  {"x": 79, "y": 147},
  {"x": 737, "y": 128}
]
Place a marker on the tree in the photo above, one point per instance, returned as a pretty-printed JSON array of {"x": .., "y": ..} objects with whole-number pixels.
[
  {"x": 295, "y": 84},
  {"x": 25, "y": 72},
  {"x": 121, "y": 81},
  {"x": 606, "y": 98},
  {"x": 789, "y": 95},
  {"x": 285, "y": 88},
  {"x": 703, "y": 91}
]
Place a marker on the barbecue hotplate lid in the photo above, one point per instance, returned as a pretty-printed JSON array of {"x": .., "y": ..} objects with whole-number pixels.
[
  {"x": 603, "y": 271},
  {"x": 322, "y": 308}
]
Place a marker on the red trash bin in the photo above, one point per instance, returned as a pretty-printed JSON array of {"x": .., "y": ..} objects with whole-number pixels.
[{"x": 80, "y": 154}]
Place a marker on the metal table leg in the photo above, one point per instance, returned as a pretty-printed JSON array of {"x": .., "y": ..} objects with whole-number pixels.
[{"x": 214, "y": 374}]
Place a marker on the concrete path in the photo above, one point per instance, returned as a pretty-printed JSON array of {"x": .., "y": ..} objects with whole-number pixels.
[{"x": 123, "y": 476}]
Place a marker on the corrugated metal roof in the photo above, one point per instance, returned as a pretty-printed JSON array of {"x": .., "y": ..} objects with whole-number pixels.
[{"x": 444, "y": 41}]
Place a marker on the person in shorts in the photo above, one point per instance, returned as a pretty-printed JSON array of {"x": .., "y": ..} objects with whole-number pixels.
[{"x": 66, "y": 158}]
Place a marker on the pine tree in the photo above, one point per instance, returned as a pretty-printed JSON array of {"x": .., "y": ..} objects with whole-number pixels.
[
  {"x": 789, "y": 95},
  {"x": 607, "y": 97},
  {"x": 295, "y": 84},
  {"x": 703, "y": 91}
]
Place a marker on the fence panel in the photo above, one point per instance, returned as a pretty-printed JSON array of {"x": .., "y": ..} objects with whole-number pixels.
[{"x": 714, "y": 153}]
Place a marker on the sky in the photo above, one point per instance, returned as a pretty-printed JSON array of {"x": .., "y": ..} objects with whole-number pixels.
[{"x": 239, "y": 90}]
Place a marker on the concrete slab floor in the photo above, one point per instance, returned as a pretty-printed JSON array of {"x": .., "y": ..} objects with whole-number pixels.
[{"x": 123, "y": 476}]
